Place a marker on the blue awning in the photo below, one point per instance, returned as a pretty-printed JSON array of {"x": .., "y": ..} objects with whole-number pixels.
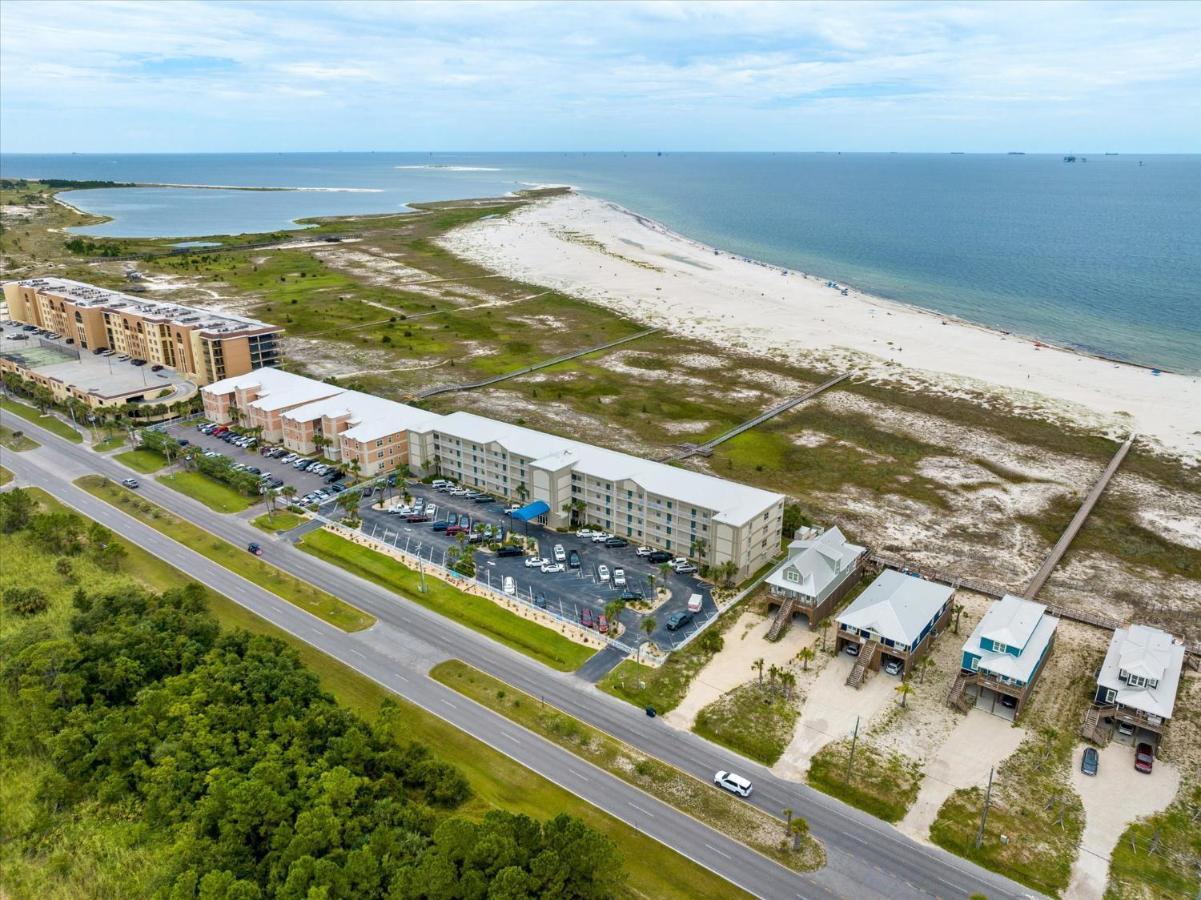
[{"x": 531, "y": 511}]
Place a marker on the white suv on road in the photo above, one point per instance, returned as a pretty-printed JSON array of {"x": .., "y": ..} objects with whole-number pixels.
[{"x": 735, "y": 784}]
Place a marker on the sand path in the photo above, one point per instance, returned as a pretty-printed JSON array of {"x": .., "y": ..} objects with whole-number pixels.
[
  {"x": 744, "y": 643},
  {"x": 977, "y": 743},
  {"x": 830, "y": 711},
  {"x": 1113, "y": 798}
]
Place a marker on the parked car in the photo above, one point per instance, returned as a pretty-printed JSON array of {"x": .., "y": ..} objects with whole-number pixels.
[
  {"x": 157, "y": 367},
  {"x": 540, "y": 601},
  {"x": 695, "y": 602},
  {"x": 439, "y": 484},
  {"x": 584, "y": 533},
  {"x": 552, "y": 568},
  {"x": 684, "y": 568},
  {"x": 1090, "y": 761},
  {"x": 586, "y": 617},
  {"x": 893, "y": 666},
  {"x": 511, "y": 550},
  {"x": 1009, "y": 702},
  {"x": 851, "y": 649},
  {"x": 629, "y": 595},
  {"x": 658, "y": 556},
  {"x": 482, "y": 498},
  {"x": 560, "y": 553},
  {"x": 1125, "y": 728},
  {"x": 678, "y": 620},
  {"x": 599, "y": 537},
  {"x": 1144, "y": 757},
  {"x": 735, "y": 784},
  {"x": 643, "y": 551},
  {"x": 441, "y": 526},
  {"x": 619, "y": 577},
  {"x": 417, "y": 517},
  {"x": 615, "y": 542},
  {"x": 510, "y": 585},
  {"x": 536, "y": 562},
  {"x": 602, "y": 572},
  {"x": 573, "y": 559},
  {"x": 131, "y": 483}
]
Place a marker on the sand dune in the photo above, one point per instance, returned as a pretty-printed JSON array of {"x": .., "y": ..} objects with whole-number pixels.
[{"x": 606, "y": 254}]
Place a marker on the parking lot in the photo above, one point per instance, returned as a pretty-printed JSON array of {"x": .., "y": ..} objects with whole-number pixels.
[
  {"x": 302, "y": 481},
  {"x": 567, "y": 593}
]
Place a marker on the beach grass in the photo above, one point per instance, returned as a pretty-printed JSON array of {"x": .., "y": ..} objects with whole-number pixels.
[
  {"x": 715, "y": 808},
  {"x": 51, "y": 423},
  {"x": 142, "y": 460},
  {"x": 5, "y": 476},
  {"x": 752, "y": 720},
  {"x": 213, "y": 494},
  {"x": 881, "y": 783},
  {"x": 98, "y": 852},
  {"x": 534, "y": 640},
  {"x": 313, "y": 600}
]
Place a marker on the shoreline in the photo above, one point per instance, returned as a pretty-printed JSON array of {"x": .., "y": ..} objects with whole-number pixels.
[{"x": 607, "y": 254}]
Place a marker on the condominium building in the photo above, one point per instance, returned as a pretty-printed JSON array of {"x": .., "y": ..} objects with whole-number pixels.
[
  {"x": 201, "y": 345},
  {"x": 676, "y": 509}
]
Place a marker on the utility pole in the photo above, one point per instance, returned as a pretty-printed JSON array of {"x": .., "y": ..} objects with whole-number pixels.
[
  {"x": 851, "y": 755},
  {"x": 984, "y": 812}
]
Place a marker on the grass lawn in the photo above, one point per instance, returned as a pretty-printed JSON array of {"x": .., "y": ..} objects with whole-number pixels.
[
  {"x": 112, "y": 443},
  {"x": 313, "y": 600},
  {"x": 5, "y": 476},
  {"x": 50, "y": 423},
  {"x": 1169, "y": 872},
  {"x": 724, "y": 812},
  {"x": 105, "y": 856},
  {"x": 281, "y": 521},
  {"x": 213, "y": 494},
  {"x": 144, "y": 461},
  {"x": 664, "y": 687},
  {"x": 534, "y": 640},
  {"x": 752, "y": 719},
  {"x": 883, "y": 784},
  {"x": 16, "y": 440}
]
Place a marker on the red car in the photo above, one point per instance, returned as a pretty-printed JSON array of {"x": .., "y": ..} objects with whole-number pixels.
[
  {"x": 602, "y": 624},
  {"x": 417, "y": 517},
  {"x": 586, "y": 618},
  {"x": 1144, "y": 757}
]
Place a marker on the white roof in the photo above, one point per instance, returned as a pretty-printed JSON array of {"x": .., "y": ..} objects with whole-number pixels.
[
  {"x": 731, "y": 502},
  {"x": 896, "y": 606},
  {"x": 818, "y": 562},
  {"x": 277, "y": 389},
  {"x": 1011, "y": 621},
  {"x": 1148, "y": 653},
  {"x": 369, "y": 417},
  {"x": 998, "y": 620}
]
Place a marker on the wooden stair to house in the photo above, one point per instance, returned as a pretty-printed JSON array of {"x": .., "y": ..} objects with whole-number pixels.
[
  {"x": 956, "y": 698},
  {"x": 783, "y": 619},
  {"x": 1093, "y": 729},
  {"x": 859, "y": 671}
]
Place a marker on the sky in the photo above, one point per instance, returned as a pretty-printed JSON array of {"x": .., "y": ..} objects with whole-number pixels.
[{"x": 196, "y": 76}]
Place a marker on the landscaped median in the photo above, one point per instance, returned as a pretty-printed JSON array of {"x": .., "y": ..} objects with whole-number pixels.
[
  {"x": 537, "y": 641},
  {"x": 312, "y": 600},
  {"x": 725, "y": 813},
  {"x": 50, "y": 422},
  {"x": 17, "y": 441},
  {"x": 280, "y": 521}
]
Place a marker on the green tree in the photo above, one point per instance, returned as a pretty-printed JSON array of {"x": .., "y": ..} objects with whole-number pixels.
[
  {"x": 17, "y": 508},
  {"x": 904, "y": 690},
  {"x": 805, "y": 655}
]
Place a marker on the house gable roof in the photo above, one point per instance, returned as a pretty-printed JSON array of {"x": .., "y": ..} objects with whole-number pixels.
[
  {"x": 1011, "y": 621},
  {"x": 816, "y": 562},
  {"x": 896, "y": 606},
  {"x": 1141, "y": 649}
]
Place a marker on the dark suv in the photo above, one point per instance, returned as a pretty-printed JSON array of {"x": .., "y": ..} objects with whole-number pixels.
[
  {"x": 678, "y": 620},
  {"x": 616, "y": 542},
  {"x": 659, "y": 556}
]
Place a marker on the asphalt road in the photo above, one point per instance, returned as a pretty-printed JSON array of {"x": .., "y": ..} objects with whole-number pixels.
[{"x": 865, "y": 857}]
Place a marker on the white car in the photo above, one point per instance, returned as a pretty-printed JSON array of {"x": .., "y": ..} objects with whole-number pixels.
[
  {"x": 619, "y": 577},
  {"x": 602, "y": 572},
  {"x": 735, "y": 784},
  {"x": 430, "y": 510},
  {"x": 679, "y": 561},
  {"x": 536, "y": 562},
  {"x": 643, "y": 551},
  {"x": 584, "y": 533},
  {"x": 560, "y": 553},
  {"x": 599, "y": 537},
  {"x": 550, "y": 568},
  {"x": 460, "y": 492},
  {"x": 684, "y": 568},
  {"x": 510, "y": 585}
]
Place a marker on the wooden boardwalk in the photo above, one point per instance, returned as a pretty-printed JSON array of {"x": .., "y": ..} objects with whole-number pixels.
[
  {"x": 706, "y": 448},
  {"x": 1069, "y": 535},
  {"x": 526, "y": 370}
]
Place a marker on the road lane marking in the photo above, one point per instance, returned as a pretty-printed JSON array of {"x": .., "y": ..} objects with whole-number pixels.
[
  {"x": 641, "y": 810},
  {"x": 510, "y": 737},
  {"x": 356, "y": 653},
  {"x": 719, "y": 852},
  {"x": 575, "y": 774},
  {"x": 448, "y": 703}
]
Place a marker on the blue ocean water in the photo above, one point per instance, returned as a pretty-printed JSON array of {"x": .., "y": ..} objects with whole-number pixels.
[{"x": 1103, "y": 255}]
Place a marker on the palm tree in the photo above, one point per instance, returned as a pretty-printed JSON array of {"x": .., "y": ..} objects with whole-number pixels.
[
  {"x": 269, "y": 497},
  {"x": 289, "y": 492},
  {"x": 824, "y": 627},
  {"x": 798, "y": 828},
  {"x": 758, "y": 665},
  {"x": 957, "y": 609},
  {"x": 612, "y": 611},
  {"x": 699, "y": 546},
  {"x": 773, "y": 672},
  {"x": 904, "y": 690},
  {"x": 523, "y": 492},
  {"x": 805, "y": 655},
  {"x": 648, "y": 625},
  {"x": 788, "y": 679},
  {"x": 922, "y": 664},
  {"x": 664, "y": 571}
]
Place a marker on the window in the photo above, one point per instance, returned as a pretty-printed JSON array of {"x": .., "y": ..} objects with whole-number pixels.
[
  {"x": 974, "y": 663},
  {"x": 1110, "y": 695},
  {"x": 1136, "y": 681},
  {"x": 792, "y": 575},
  {"x": 999, "y": 648}
]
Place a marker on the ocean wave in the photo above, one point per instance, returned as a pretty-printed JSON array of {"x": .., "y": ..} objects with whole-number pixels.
[{"x": 454, "y": 168}]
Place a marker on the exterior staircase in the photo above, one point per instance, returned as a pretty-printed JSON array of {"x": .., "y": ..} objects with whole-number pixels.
[
  {"x": 863, "y": 662},
  {"x": 1093, "y": 729},
  {"x": 956, "y": 698},
  {"x": 782, "y": 620}
]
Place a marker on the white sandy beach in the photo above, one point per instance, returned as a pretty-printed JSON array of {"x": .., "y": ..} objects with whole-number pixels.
[{"x": 606, "y": 254}]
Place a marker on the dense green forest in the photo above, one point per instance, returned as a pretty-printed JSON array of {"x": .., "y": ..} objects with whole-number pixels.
[{"x": 213, "y": 760}]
